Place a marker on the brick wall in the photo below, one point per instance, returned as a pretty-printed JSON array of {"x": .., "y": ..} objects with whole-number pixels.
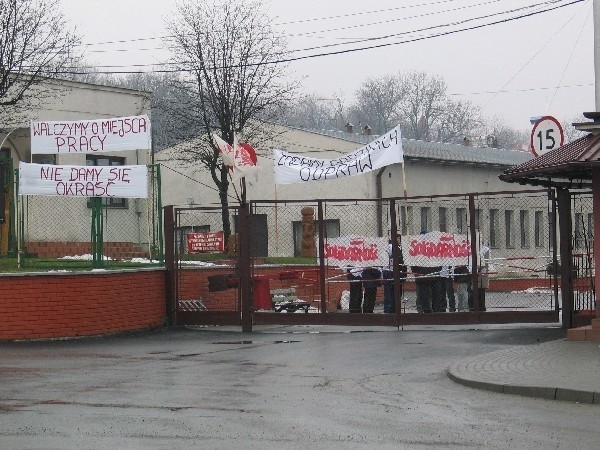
[
  {"x": 194, "y": 285},
  {"x": 36, "y": 306}
]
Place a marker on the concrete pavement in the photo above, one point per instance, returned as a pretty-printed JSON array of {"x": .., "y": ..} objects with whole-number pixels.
[
  {"x": 560, "y": 370},
  {"x": 554, "y": 370}
]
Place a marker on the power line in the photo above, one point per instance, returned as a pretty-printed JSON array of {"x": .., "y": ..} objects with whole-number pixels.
[
  {"x": 361, "y": 13},
  {"x": 504, "y": 91},
  {"x": 429, "y": 28},
  {"x": 532, "y": 58},
  {"x": 398, "y": 19},
  {"x": 570, "y": 58},
  {"x": 343, "y": 51}
]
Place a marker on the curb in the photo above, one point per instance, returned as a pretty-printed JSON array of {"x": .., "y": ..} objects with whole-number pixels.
[{"x": 547, "y": 393}]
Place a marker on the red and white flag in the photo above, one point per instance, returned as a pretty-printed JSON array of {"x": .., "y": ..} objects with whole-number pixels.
[
  {"x": 240, "y": 158},
  {"x": 227, "y": 152}
]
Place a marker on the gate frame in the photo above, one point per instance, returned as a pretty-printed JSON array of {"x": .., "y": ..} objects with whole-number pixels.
[
  {"x": 176, "y": 316},
  {"x": 246, "y": 317}
]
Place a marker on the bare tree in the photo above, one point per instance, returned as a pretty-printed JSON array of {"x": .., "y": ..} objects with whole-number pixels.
[
  {"x": 232, "y": 55},
  {"x": 35, "y": 44},
  {"x": 460, "y": 119},
  {"x": 423, "y": 104},
  {"x": 419, "y": 103},
  {"x": 571, "y": 133},
  {"x": 316, "y": 113},
  {"x": 505, "y": 136},
  {"x": 377, "y": 103}
]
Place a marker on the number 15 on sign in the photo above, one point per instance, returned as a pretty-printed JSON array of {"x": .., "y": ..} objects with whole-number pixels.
[{"x": 547, "y": 134}]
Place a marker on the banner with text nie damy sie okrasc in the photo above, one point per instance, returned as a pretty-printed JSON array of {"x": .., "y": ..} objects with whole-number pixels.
[
  {"x": 381, "y": 152},
  {"x": 83, "y": 181}
]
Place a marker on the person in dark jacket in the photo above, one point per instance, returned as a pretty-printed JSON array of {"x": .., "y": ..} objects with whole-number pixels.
[
  {"x": 371, "y": 279},
  {"x": 354, "y": 275},
  {"x": 389, "y": 305}
]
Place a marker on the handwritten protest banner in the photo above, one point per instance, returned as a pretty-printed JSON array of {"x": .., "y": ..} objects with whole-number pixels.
[
  {"x": 436, "y": 249},
  {"x": 91, "y": 136},
  {"x": 383, "y": 151},
  {"x": 207, "y": 242},
  {"x": 357, "y": 251},
  {"x": 83, "y": 181}
]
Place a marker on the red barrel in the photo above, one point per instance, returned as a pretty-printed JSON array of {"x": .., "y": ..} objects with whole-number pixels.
[{"x": 261, "y": 292}]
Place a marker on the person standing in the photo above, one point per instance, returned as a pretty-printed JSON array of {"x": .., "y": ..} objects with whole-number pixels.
[
  {"x": 437, "y": 288},
  {"x": 371, "y": 279},
  {"x": 354, "y": 275},
  {"x": 462, "y": 276},
  {"x": 389, "y": 304},
  {"x": 423, "y": 287},
  {"x": 448, "y": 298},
  {"x": 484, "y": 277}
]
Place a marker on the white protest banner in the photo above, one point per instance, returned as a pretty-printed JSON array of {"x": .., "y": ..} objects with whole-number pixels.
[
  {"x": 357, "y": 251},
  {"x": 83, "y": 181},
  {"x": 91, "y": 136},
  {"x": 383, "y": 151},
  {"x": 436, "y": 249}
]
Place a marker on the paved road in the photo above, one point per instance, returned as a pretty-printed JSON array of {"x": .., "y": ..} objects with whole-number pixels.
[{"x": 286, "y": 387}]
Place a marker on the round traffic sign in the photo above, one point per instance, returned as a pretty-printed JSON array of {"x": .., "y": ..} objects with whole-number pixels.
[{"x": 547, "y": 134}]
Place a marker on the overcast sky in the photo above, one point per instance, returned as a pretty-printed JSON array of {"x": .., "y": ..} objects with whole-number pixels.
[{"x": 531, "y": 66}]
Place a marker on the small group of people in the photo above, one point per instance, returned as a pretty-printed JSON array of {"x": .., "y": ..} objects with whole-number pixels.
[
  {"x": 435, "y": 286},
  {"x": 436, "y": 293},
  {"x": 364, "y": 283}
]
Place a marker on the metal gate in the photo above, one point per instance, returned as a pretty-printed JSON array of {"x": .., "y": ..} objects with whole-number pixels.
[
  {"x": 274, "y": 269},
  {"x": 205, "y": 277}
]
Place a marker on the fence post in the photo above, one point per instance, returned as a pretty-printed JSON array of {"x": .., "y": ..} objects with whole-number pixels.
[
  {"x": 244, "y": 266},
  {"x": 170, "y": 264},
  {"x": 554, "y": 240},
  {"x": 322, "y": 288},
  {"x": 97, "y": 232},
  {"x": 398, "y": 288},
  {"x": 474, "y": 255},
  {"x": 157, "y": 230},
  {"x": 566, "y": 233}
]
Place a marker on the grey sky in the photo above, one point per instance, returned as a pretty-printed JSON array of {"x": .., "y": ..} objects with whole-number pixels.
[{"x": 526, "y": 58}]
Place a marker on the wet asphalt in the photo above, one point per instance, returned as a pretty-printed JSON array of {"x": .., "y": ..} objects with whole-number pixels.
[{"x": 278, "y": 387}]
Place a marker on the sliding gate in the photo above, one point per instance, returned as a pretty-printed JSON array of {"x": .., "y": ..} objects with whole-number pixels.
[{"x": 279, "y": 268}]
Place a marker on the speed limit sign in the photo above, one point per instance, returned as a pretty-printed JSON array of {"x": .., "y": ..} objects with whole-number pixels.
[{"x": 547, "y": 134}]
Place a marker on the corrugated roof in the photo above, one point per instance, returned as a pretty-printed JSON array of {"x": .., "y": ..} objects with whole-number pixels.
[{"x": 439, "y": 151}]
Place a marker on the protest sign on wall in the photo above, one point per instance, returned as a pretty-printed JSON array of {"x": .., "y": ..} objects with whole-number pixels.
[
  {"x": 381, "y": 152},
  {"x": 91, "y": 136},
  {"x": 83, "y": 181},
  {"x": 205, "y": 242}
]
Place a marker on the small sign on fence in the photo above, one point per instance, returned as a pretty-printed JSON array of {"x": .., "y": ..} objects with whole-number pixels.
[{"x": 208, "y": 242}]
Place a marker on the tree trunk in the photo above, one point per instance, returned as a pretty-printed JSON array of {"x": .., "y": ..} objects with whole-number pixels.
[{"x": 223, "y": 189}]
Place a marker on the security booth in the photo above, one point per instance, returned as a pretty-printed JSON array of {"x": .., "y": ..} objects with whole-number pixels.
[{"x": 573, "y": 171}]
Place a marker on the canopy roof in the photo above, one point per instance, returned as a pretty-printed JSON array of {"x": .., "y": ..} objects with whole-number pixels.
[{"x": 568, "y": 166}]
